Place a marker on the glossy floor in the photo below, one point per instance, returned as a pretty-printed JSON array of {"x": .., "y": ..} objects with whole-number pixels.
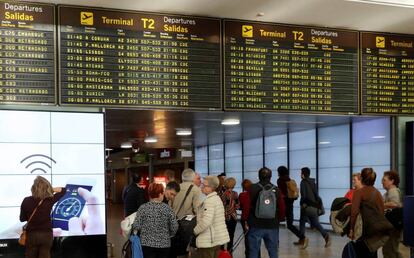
[{"x": 286, "y": 248}]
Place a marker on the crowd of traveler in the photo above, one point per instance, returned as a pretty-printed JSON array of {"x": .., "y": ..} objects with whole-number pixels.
[{"x": 212, "y": 204}]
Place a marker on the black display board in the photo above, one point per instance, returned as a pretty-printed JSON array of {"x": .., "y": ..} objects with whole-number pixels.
[
  {"x": 271, "y": 67},
  {"x": 387, "y": 73},
  {"x": 27, "y": 53},
  {"x": 131, "y": 59}
]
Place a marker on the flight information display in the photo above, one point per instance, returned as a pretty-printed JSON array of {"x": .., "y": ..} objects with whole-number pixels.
[
  {"x": 127, "y": 59},
  {"x": 387, "y": 74},
  {"x": 27, "y": 53},
  {"x": 271, "y": 67}
]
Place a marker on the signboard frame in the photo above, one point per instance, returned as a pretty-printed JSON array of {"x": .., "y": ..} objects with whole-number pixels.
[
  {"x": 150, "y": 107},
  {"x": 55, "y": 56},
  {"x": 357, "y": 84}
]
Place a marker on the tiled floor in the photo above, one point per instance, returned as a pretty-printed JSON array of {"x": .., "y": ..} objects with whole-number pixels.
[{"x": 286, "y": 248}]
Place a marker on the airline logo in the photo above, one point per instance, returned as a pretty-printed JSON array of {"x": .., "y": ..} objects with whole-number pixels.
[
  {"x": 247, "y": 31},
  {"x": 86, "y": 18},
  {"x": 380, "y": 42}
]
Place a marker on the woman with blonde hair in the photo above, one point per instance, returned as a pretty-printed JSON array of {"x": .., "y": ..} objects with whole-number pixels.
[
  {"x": 356, "y": 185},
  {"x": 39, "y": 228}
]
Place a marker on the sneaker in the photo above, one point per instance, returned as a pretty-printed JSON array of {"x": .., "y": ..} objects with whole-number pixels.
[
  {"x": 305, "y": 243},
  {"x": 327, "y": 241}
]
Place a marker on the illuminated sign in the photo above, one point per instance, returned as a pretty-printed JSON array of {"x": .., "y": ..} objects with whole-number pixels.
[
  {"x": 270, "y": 67},
  {"x": 131, "y": 59}
]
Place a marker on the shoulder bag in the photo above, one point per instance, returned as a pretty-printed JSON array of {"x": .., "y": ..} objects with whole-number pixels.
[
  {"x": 23, "y": 235},
  {"x": 185, "y": 230}
]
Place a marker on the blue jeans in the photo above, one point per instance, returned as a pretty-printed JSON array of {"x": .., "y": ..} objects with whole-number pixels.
[
  {"x": 314, "y": 222},
  {"x": 271, "y": 240}
]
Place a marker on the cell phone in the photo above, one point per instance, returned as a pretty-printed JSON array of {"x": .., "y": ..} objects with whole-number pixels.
[{"x": 69, "y": 206}]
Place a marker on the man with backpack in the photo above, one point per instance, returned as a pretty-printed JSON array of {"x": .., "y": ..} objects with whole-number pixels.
[
  {"x": 267, "y": 209},
  {"x": 290, "y": 192}
]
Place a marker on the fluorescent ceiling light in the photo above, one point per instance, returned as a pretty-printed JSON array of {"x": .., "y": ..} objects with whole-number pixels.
[
  {"x": 324, "y": 142},
  {"x": 126, "y": 145},
  {"x": 281, "y": 148},
  {"x": 183, "y": 132},
  {"x": 378, "y": 137},
  {"x": 396, "y": 3},
  {"x": 230, "y": 121},
  {"x": 108, "y": 149},
  {"x": 150, "y": 139}
]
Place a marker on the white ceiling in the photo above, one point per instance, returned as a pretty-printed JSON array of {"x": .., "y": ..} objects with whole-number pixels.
[{"x": 326, "y": 13}]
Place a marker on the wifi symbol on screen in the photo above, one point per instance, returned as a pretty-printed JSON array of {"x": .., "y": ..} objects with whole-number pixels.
[{"x": 38, "y": 162}]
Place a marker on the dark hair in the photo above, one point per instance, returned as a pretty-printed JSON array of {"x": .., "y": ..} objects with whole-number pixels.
[
  {"x": 154, "y": 190},
  {"x": 136, "y": 177},
  {"x": 283, "y": 171},
  {"x": 173, "y": 186},
  {"x": 246, "y": 184},
  {"x": 222, "y": 174},
  {"x": 368, "y": 176},
  {"x": 265, "y": 174},
  {"x": 305, "y": 172},
  {"x": 393, "y": 175}
]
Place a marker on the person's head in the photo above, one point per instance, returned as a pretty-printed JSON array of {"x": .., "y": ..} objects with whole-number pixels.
[
  {"x": 305, "y": 172},
  {"x": 156, "y": 191},
  {"x": 41, "y": 188},
  {"x": 170, "y": 175},
  {"x": 283, "y": 171},
  {"x": 171, "y": 190},
  {"x": 246, "y": 184},
  {"x": 356, "y": 181},
  {"x": 136, "y": 177},
  {"x": 390, "y": 179},
  {"x": 209, "y": 185},
  {"x": 221, "y": 178},
  {"x": 197, "y": 180},
  {"x": 229, "y": 183},
  {"x": 368, "y": 176},
  {"x": 265, "y": 174},
  {"x": 188, "y": 175}
]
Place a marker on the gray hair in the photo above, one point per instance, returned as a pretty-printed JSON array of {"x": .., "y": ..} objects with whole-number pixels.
[
  {"x": 213, "y": 182},
  {"x": 188, "y": 175}
]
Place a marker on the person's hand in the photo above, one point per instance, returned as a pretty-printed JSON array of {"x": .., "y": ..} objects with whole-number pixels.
[
  {"x": 85, "y": 225},
  {"x": 92, "y": 224},
  {"x": 246, "y": 225},
  {"x": 351, "y": 234}
]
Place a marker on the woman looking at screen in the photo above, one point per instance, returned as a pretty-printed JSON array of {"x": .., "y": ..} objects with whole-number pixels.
[{"x": 39, "y": 229}]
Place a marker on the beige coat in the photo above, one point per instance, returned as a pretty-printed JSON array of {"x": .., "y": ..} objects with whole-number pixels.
[
  {"x": 211, "y": 227},
  {"x": 191, "y": 202}
]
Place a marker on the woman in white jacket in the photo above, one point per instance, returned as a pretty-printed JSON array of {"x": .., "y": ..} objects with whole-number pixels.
[{"x": 211, "y": 230}]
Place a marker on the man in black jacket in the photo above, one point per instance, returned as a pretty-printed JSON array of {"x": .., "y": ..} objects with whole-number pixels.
[
  {"x": 260, "y": 228},
  {"x": 308, "y": 211},
  {"x": 133, "y": 195}
]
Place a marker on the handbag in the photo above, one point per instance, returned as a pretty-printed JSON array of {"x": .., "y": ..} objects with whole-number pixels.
[
  {"x": 23, "y": 235},
  {"x": 132, "y": 248},
  {"x": 126, "y": 225},
  {"x": 395, "y": 216}
]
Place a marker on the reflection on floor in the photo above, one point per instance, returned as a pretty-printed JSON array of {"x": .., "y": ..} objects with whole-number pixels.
[{"x": 286, "y": 248}]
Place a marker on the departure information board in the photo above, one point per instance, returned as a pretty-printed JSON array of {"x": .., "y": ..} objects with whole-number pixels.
[
  {"x": 125, "y": 59},
  {"x": 27, "y": 53},
  {"x": 387, "y": 74},
  {"x": 271, "y": 67}
]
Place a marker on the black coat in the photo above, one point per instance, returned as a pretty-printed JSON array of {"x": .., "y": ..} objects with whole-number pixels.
[{"x": 133, "y": 197}]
